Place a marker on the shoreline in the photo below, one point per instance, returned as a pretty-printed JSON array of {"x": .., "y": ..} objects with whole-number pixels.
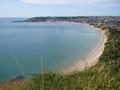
[
  {"x": 92, "y": 58},
  {"x": 86, "y": 62}
]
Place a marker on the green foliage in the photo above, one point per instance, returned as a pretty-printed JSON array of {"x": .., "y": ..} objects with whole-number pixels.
[
  {"x": 111, "y": 54},
  {"x": 98, "y": 77}
]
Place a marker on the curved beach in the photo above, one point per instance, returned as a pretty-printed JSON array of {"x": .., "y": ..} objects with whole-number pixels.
[{"x": 92, "y": 58}]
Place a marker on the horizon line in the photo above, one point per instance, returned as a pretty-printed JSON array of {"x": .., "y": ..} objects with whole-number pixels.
[{"x": 63, "y": 16}]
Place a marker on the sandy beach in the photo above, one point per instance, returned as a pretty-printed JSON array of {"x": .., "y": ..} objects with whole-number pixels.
[{"x": 92, "y": 58}]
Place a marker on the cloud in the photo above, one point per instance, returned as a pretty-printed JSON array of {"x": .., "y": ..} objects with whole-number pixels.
[{"x": 80, "y": 2}]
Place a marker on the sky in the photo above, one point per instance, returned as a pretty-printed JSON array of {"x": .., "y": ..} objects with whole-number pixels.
[{"x": 35, "y": 8}]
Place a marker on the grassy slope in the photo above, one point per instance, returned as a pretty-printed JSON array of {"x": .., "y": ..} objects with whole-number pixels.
[
  {"x": 104, "y": 75},
  {"x": 13, "y": 86}
]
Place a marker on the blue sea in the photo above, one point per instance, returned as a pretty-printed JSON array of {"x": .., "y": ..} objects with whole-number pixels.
[{"x": 59, "y": 44}]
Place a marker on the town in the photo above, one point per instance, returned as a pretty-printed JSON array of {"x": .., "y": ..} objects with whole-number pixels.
[{"x": 108, "y": 21}]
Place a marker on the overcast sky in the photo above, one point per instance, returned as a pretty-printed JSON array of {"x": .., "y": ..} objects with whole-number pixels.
[{"x": 32, "y": 8}]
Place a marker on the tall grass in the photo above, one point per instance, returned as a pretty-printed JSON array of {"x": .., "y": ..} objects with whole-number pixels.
[
  {"x": 42, "y": 70},
  {"x": 13, "y": 86},
  {"x": 97, "y": 77},
  {"x": 19, "y": 66}
]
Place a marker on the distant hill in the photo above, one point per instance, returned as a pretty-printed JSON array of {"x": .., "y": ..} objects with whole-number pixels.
[{"x": 104, "y": 20}]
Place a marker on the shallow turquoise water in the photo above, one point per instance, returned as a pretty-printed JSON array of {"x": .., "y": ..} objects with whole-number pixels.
[{"x": 59, "y": 44}]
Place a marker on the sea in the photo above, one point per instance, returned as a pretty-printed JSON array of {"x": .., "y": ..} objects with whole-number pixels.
[{"x": 34, "y": 47}]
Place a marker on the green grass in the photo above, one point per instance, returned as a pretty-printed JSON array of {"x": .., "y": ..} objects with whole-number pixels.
[
  {"x": 13, "y": 86},
  {"x": 97, "y": 77},
  {"x": 105, "y": 75}
]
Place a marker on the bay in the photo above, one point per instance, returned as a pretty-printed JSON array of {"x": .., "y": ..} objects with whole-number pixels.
[{"x": 59, "y": 44}]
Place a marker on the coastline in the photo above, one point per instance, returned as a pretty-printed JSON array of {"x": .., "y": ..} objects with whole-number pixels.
[{"x": 92, "y": 58}]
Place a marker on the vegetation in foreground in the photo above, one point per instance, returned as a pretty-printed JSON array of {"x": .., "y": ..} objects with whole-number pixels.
[{"x": 103, "y": 76}]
